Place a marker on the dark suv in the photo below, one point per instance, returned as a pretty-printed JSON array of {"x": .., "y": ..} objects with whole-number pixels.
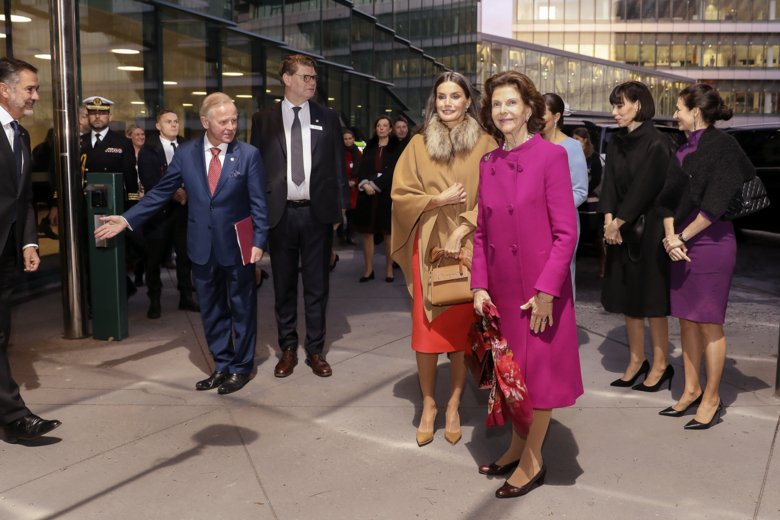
[{"x": 762, "y": 145}]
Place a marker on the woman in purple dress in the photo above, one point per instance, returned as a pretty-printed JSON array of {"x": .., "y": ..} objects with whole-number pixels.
[
  {"x": 701, "y": 244},
  {"x": 523, "y": 246}
]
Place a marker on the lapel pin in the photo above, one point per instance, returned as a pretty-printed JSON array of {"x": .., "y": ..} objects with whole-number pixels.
[{"x": 232, "y": 158}]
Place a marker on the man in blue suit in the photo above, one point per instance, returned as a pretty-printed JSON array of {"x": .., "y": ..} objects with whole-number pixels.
[{"x": 225, "y": 183}]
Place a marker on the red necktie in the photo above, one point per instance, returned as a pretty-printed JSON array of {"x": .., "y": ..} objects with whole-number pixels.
[{"x": 214, "y": 169}]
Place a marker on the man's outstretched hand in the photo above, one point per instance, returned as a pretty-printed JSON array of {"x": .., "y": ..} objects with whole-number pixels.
[{"x": 112, "y": 226}]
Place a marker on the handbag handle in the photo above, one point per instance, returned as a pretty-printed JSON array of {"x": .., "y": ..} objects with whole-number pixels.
[{"x": 438, "y": 254}]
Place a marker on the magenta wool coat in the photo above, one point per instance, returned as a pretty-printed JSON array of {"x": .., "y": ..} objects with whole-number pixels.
[{"x": 524, "y": 242}]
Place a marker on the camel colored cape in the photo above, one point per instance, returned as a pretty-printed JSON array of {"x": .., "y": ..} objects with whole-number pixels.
[{"x": 417, "y": 179}]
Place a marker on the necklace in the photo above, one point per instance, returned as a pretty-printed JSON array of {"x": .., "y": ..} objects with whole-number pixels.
[{"x": 527, "y": 138}]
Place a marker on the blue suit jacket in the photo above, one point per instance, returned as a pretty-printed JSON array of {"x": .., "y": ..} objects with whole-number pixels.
[{"x": 240, "y": 192}]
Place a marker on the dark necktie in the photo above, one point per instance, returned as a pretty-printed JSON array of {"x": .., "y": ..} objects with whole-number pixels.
[
  {"x": 296, "y": 150},
  {"x": 173, "y": 145},
  {"x": 97, "y": 140},
  {"x": 17, "y": 148}
]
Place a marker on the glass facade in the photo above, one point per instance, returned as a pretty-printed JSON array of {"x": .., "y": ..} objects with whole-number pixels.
[{"x": 734, "y": 44}]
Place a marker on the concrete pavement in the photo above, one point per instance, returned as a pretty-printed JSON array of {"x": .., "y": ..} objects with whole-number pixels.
[{"x": 138, "y": 442}]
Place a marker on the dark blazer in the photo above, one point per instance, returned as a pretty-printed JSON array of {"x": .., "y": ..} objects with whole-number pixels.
[
  {"x": 239, "y": 193},
  {"x": 16, "y": 194},
  {"x": 152, "y": 163},
  {"x": 114, "y": 154},
  {"x": 328, "y": 184},
  {"x": 708, "y": 178}
]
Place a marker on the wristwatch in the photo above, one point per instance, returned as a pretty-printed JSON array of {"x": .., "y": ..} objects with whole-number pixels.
[{"x": 681, "y": 237}]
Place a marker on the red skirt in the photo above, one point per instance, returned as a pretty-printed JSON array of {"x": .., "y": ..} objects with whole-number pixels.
[{"x": 449, "y": 331}]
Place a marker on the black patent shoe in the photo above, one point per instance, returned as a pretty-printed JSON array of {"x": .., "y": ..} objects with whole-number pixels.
[
  {"x": 494, "y": 469},
  {"x": 666, "y": 376},
  {"x": 234, "y": 383},
  {"x": 510, "y": 491},
  {"x": 671, "y": 412},
  {"x": 28, "y": 428},
  {"x": 213, "y": 381},
  {"x": 693, "y": 424},
  {"x": 643, "y": 370}
]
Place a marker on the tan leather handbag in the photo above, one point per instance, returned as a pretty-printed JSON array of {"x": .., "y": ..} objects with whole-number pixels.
[{"x": 449, "y": 284}]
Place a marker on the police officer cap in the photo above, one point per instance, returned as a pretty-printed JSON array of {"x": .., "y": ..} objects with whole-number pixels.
[{"x": 98, "y": 103}]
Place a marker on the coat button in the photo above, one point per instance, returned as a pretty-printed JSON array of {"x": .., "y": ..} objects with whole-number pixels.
[
  {"x": 492, "y": 171},
  {"x": 514, "y": 249},
  {"x": 510, "y": 209}
]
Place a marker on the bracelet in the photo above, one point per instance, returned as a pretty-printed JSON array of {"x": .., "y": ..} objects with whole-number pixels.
[{"x": 681, "y": 237}]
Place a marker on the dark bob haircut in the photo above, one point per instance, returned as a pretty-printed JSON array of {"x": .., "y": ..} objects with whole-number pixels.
[
  {"x": 528, "y": 94},
  {"x": 635, "y": 91},
  {"x": 707, "y": 99}
]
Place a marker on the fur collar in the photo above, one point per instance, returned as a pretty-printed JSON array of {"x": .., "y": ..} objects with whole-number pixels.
[{"x": 443, "y": 144}]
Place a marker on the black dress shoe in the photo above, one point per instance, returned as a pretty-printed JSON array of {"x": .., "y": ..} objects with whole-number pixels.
[
  {"x": 643, "y": 370},
  {"x": 335, "y": 261},
  {"x": 28, "y": 428},
  {"x": 260, "y": 277},
  {"x": 671, "y": 412},
  {"x": 389, "y": 279},
  {"x": 154, "y": 311},
  {"x": 188, "y": 304},
  {"x": 666, "y": 376},
  {"x": 364, "y": 279},
  {"x": 233, "y": 383},
  {"x": 510, "y": 491},
  {"x": 213, "y": 381},
  {"x": 44, "y": 228},
  {"x": 493, "y": 469},
  {"x": 693, "y": 424}
]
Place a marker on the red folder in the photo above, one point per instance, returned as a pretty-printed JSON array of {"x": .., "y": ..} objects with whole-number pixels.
[{"x": 245, "y": 238}]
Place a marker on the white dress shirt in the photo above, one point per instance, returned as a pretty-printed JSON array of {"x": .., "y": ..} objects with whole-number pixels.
[
  {"x": 207, "y": 146},
  {"x": 102, "y": 134},
  {"x": 295, "y": 192},
  {"x": 168, "y": 148}
]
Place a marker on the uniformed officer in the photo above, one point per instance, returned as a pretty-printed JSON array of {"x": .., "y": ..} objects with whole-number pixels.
[{"x": 103, "y": 150}]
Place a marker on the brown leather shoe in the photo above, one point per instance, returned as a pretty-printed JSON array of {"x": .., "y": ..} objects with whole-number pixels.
[
  {"x": 319, "y": 366},
  {"x": 286, "y": 365}
]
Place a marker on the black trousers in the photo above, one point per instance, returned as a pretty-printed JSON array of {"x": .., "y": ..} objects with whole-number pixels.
[
  {"x": 159, "y": 234},
  {"x": 11, "y": 404},
  {"x": 300, "y": 237}
]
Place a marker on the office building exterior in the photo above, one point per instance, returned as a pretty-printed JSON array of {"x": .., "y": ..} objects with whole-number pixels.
[{"x": 733, "y": 44}]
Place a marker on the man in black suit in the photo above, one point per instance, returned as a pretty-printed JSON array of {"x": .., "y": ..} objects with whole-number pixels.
[
  {"x": 170, "y": 224},
  {"x": 302, "y": 150},
  {"x": 103, "y": 150},
  {"x": 18, "y": 235}
]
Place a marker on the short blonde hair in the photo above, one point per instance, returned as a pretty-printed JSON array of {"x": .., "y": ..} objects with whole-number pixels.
[{"x": 214, "y": 100}]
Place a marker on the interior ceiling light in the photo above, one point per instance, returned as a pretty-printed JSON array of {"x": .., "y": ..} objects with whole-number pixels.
[
  {"x": 170, "y": 83},
  {"x": 186, "y": 104},
  {"x": 199, "y": 93},
  {"x": 2, "y": 35},
  {"x": 244, "y": 96},
  {"x": 125, "y": 51},
  {"x": 137, "y": 103},
  {"x": 130, "y": 68},
  {"x": 43, "y": 56},
  {"x": 16, "y": 18},
  {"x": 233, "y": 74}
]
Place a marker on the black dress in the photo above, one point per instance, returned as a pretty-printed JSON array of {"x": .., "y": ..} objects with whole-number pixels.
[
  {"x": 636, "y": 277},
  {"x": 373, "y": 212}
]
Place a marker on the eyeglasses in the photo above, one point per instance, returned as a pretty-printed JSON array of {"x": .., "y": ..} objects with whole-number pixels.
[{"x": 307, "y": 77}]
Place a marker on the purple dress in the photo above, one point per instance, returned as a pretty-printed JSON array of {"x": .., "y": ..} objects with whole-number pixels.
[{"x": 699, "y": 289}]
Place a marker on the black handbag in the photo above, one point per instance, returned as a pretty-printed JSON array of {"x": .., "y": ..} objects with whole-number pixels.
[
  {"x": 750, "y": 198},
  {"x": 632, "y": 233}
]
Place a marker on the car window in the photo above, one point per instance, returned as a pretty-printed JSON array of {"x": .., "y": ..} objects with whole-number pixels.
[{"x": 762, "y": 146}]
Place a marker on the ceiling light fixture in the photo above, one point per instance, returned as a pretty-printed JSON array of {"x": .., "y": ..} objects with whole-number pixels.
[
  {"x": 125, "y": 51},
  {"x": 130, "y": 68}
]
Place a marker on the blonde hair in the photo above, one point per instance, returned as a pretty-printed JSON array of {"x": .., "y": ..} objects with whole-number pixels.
[{"x": 213, "y": 100}]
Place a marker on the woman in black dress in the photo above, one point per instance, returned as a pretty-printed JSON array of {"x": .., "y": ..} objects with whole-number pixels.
[
  {"x": 636, "y": 278},
  {"x": 373, "y": 208}
]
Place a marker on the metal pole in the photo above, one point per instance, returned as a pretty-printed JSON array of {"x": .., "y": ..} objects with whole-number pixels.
[
  {"x": 72, "y": 223},
  {"x": 777, "y": 373}
]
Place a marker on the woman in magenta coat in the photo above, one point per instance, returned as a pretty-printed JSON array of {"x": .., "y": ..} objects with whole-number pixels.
[{"x": 523, "y": 246}]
